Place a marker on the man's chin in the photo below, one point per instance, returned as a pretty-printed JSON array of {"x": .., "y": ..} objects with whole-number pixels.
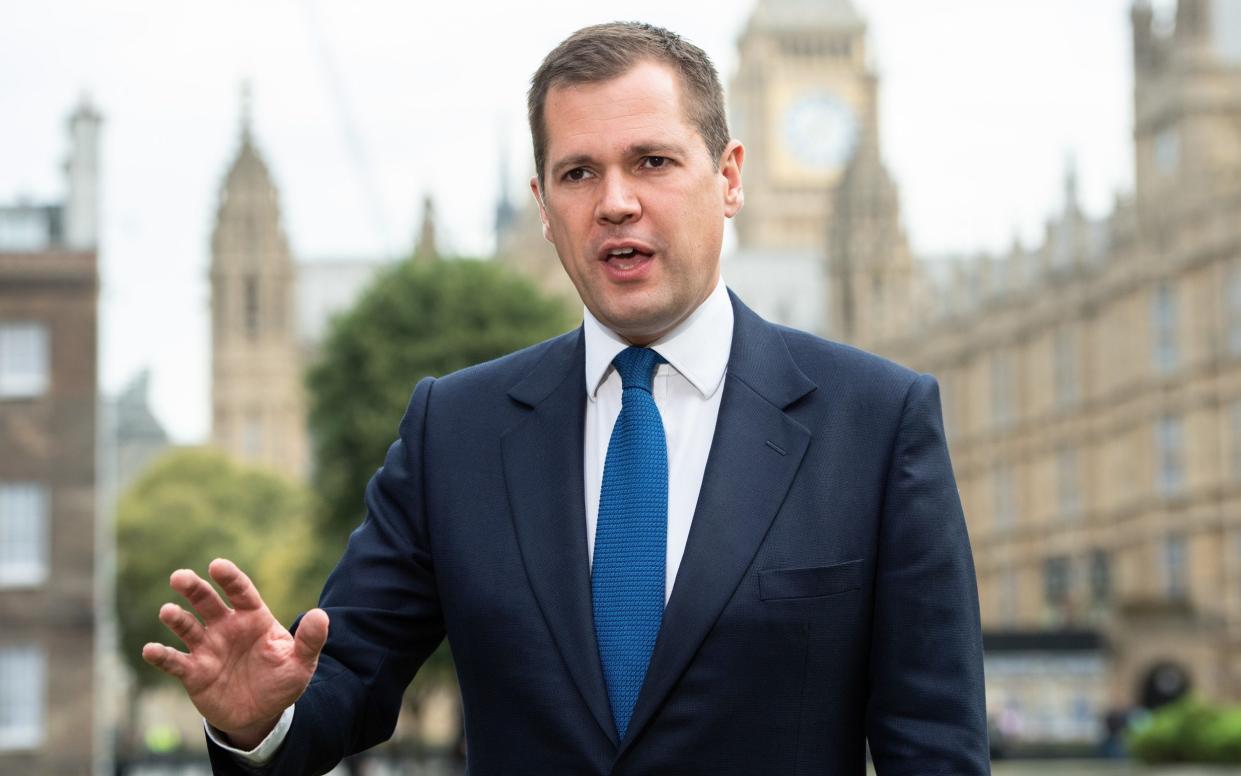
[{"x": 641, "y": 329}]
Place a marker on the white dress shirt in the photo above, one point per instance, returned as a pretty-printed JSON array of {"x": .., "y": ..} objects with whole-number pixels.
[{"x": 687, "y": 391}]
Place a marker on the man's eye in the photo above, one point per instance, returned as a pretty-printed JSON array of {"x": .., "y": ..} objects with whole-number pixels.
[
  {"x": 576, "y": 174},
  {"x": 655, "y": 161}
]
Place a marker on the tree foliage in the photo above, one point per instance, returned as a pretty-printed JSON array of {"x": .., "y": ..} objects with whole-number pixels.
[
  {"x": 1189, "y": 730},
  {"x": 416, "y": 320},
  {"x": 192, "y": 506}
]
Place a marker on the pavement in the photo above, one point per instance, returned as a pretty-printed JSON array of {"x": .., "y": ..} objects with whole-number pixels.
[{"x": 1105, "y": 768}]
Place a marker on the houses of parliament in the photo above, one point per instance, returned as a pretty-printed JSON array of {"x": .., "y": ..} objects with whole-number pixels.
[{"x": 1091, "y": 385}]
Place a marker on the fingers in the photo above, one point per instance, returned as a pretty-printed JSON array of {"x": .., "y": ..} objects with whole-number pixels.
[
  {"x": 167, "y": 659},
  {"x": 241, "y": 592},
  {"x": 182, "y": 623},
  {"x": 311, "y": 636},
  {"x": 202, "y": 596}
]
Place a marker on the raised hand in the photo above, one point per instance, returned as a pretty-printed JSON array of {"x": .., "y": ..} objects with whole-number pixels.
[{"x": 243, "y": 668}]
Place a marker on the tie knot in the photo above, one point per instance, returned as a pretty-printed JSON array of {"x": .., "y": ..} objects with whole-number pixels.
[{"x": 637, "y": 367}]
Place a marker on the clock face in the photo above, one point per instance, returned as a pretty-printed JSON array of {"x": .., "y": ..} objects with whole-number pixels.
[{"x": 820, "y": 130}]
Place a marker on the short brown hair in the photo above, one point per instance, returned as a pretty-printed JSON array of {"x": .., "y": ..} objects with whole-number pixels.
[{"x": 606, "y": 51}]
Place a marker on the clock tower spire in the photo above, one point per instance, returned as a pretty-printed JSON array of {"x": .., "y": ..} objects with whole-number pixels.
[{"x": 801, "y": 96}]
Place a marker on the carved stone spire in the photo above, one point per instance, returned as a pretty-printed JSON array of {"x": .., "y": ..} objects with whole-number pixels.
[
  {"x": 257, "y": 401},
  {"x": 425, "y": 249}
]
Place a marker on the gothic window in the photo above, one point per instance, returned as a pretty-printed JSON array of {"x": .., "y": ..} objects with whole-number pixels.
[
  {"x": 1009, "y": 599},
  {"x": 1002, "y": 388},
  {"x": 1167, "y": 150},
  {"x": 252, "y": 306},
  {"x": 1175, "y": 566},
  {"x": 1065, "y": 367},
  {"x": 1164, "y": 328},
  {"x": 276, "y": 321},
  {"x": 1170, "y": 452},
  {"x": 1068, "y": 479},
  {"x": 1056, "y": 580},
  {"x": 1100, "y": 577},
  {"x": 1005, "y": 496},
  {"x": 23, "y": 359}
]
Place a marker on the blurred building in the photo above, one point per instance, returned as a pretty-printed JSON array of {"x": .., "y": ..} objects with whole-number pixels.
[
  {"x": 49, "y": 292},
  {"x": 805, "y": 101},
  {"x": 135, "y": 435},
  {"x": 257, "y": 401},
  {"x": 269, "y": 315},
  {"x": 1044, "y": 690},
  {"x": 426, "y": 247},
  {"x": 1092, "y": 385},
  {"x": 326, "y": 288},
  {"x": 131, "y": 438},
  {"x": 802, "y": 98},
  {"x": 521, "y": 245}
]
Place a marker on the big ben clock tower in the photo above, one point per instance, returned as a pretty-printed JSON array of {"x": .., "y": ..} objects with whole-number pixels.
[{"x": 801, "y": 99}]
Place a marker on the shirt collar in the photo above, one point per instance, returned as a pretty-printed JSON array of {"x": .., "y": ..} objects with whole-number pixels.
[{"x": 697, "y": 348}]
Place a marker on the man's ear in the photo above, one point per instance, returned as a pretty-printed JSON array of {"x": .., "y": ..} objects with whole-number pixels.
[
  {"x": 730, "y": 168},
  {"x": 538, "y": 200}
]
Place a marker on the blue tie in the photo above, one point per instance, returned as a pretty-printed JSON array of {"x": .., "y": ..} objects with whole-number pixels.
[{"x": 631, "y": 536}]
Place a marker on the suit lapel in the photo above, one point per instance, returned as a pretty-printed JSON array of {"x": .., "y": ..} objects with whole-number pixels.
[
  {"x": 755, "y": 454},
  {"x": 543, "y": 471}
]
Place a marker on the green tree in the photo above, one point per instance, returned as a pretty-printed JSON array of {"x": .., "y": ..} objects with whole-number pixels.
[
  {"x": 195, "y": 505},
  {"x": 416, "y": 319},
  {"x": 1189, "y": 730}
]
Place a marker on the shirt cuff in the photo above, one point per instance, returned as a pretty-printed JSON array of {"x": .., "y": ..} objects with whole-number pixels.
[{"x": 265, "y": 751}]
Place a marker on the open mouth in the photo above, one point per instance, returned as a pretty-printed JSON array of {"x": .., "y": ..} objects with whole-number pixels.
[{"x": 626, "y": 258}]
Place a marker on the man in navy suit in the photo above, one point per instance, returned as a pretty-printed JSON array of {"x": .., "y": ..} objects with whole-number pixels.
[{"x": 744, "y": 555}]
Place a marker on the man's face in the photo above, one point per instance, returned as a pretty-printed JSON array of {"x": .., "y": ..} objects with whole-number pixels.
[{"x": 632, "y": 200}]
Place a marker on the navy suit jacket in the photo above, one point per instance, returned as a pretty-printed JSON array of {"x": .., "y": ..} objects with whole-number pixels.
[{"x": 826, "y": 596}]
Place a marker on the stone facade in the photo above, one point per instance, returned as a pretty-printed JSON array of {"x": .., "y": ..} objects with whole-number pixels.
[
  {"x": 257, "y": 400},
  {"x": 1092, "y": 386}
]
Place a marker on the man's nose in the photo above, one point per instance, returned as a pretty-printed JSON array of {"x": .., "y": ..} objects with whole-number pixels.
[{"x": 618, "y": 201}]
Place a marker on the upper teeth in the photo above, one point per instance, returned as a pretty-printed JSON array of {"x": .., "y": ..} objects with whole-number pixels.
[{"x": 622, "y": 251}]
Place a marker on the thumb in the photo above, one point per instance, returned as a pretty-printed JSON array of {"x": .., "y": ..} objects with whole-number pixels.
[{"x": 311, "y": 636}]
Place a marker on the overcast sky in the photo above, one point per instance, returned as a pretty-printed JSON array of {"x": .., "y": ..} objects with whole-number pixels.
[{"x": 362, "y": 107}]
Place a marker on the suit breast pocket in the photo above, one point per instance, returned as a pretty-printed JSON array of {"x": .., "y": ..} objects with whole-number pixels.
[{"x": 816, "y": 582}]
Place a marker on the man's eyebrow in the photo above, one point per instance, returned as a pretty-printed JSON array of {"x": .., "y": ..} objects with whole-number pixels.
[
  {"x": 654, "y": 149},
  {"x": 631, "y": 151}
]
